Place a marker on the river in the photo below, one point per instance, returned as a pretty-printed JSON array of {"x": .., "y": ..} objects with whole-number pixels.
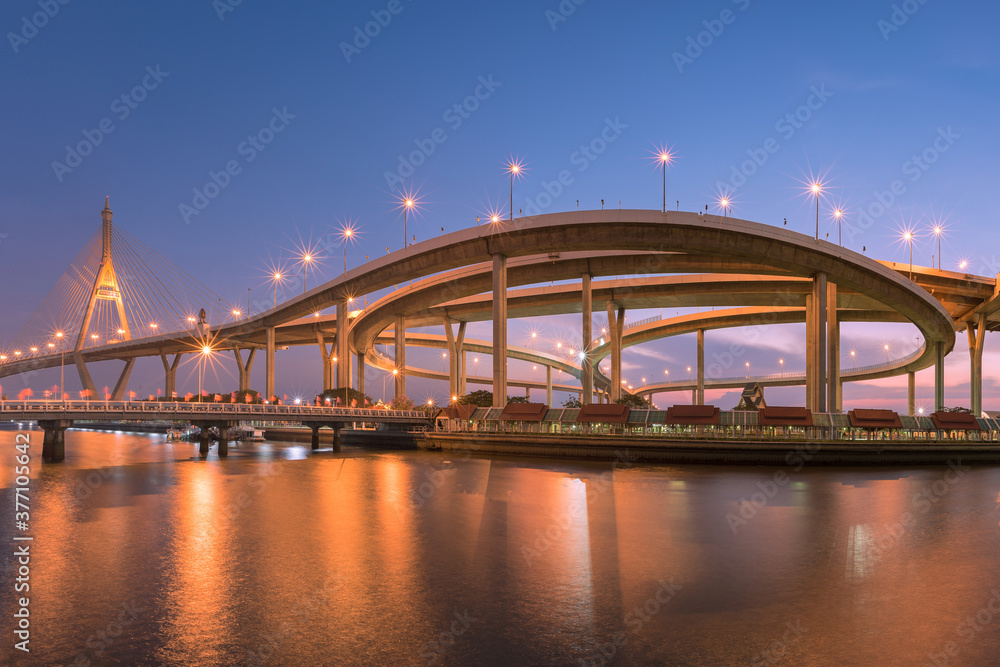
[{"x": 144, "y": 554}]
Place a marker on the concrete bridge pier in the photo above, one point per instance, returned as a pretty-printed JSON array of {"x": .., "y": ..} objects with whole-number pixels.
[
  {"x": 336, "y": 436},
  {"x": 269, "y": 364},
  {"x": 170, "y": 373},
  {"x": 616, "y": 327},
  {"x": 342, "y": 348},
  {"x": 243, "y": 368},
  {"x": 700, "y": 398},
  {"x": 119, "y": 391},
  {"x": 586, "y": 367},
  {"x": 326, "y": 362},
  {"x": 938, "y": 377},
  {"x": 456, "y": 356},
  {"x": 399, "y": 330},
  {"x": 548, "y": 386},
  {"x": 977, "y": 340},
  {"x": 361, "y": 375},
  {"x": 54, "y": 439},
  {"x": 499, "y": 331},
  {"x": 911, "y": 393}
]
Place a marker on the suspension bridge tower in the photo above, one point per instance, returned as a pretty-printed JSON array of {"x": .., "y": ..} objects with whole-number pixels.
[{"x": 105, "y": 291}]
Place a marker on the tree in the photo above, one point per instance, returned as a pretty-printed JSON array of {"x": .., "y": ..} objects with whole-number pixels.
[
  {"x": 572, "y": 402},
  {"x": 481, "y": 398},
  {"x": 346, "y": 395},
  {"x": 633, "y": 401},
  {"x": 958, "y": 409},
  {"x": 401, "y": 402},
  {"x": 517, "y": 399}
]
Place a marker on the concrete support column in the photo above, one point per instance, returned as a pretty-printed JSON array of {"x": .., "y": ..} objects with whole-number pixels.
[
  {"x": 977, "y": 340},
  {"x": 204, "y": 438},
  {"x": 499, "y": 331},
  {"x": 938, "y": 377},
  {"x": 833, "y": 349},
  {"x": 911, "y": 393},
  {"x": 816, "y": 348},
  {"x": 456, "y": 355},
  {"x": 361, "y": 374},
  {"x": 269, "y": 365},
  {"x": 548, "y": 386},
  {"x": 85, "y": 379},
  {"x": 170, "y": 372},
  {"x": 223, "y": 439},
  {"x": 325, "y": 362},
  {"x": 616, "y": 324},
  {"x": 315, "y": 434},
  {"x": 343, "y": 353},
  {"x": 336, "y": 436},
  {"x": 54, "y": 439},
  {"x": 586, "y": 367},
  {"x": 840, "y": 395},
  {"x": 244, "y": 369},
  {"x": 700, "y": 396},
  {"x": 810, "y": 352},
  {"x": 120, "y": 386},
  {"x": 399, "y": 331}
]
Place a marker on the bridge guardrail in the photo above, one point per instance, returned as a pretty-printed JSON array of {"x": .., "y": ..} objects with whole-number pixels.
[{"x": 134, "y": 410}]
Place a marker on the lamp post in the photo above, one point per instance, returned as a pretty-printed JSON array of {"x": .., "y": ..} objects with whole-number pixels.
[
  {"x": 408, "y": 203},
  {"x": 249, "y": 289},
  {"x": 515, "y": 169},
  {"x": 781, "y": 362},
  {"x": 276, "y": 278},
  {"x": 854, "y": 355},
  {"x": 839, "y": 214},
  {"x": 306, "y": 259},
  {"x": 816, "y": 189},
  {"x": 664, "y": 161},
  {"x": 62, "y": 356},
  {"x": 938, "y": 231},
  {"x": 886, "y": 348},
  {"x": 205, "y": 351},
  {"x": 908, "y": 237},
  {"x": 748, "y": 370},
  {"x": 348, "y": 233}
]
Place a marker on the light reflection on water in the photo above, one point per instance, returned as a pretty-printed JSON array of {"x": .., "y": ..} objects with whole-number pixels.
[{"x": 145, "y": 554}]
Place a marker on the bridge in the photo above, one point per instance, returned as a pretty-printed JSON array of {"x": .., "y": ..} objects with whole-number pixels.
[
  {"x": 122, "y": 301},
  {"x": 54, "y": 417}
]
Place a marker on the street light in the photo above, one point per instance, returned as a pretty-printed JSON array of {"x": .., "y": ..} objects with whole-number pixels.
[
  {"x": 205, "y": 351},
  {"x": 514, "y": 167},
  {"x": 748, "y": 370},
  {"x": 781, "y": 362},
  {"x": 938, "y": 231},
  {"x": 908, "y": 237},
  {"x": 726, "y": 205},
  {"x": 839, "y": 214},
  {"x": 348, "y": 233},
  {"x": 62, "y": 355},
  {"x": 306, "y": 259},
  {"x": 276, "y": 278},
  {"x": 816, "y": 188},
  {"x": 886, "y": 348},
  {"x": 854, "y": 354},
  {"x": 664, "y": 157}
]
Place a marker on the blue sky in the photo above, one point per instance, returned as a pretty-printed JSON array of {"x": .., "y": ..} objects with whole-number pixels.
[{"x": 847, "y": 91}]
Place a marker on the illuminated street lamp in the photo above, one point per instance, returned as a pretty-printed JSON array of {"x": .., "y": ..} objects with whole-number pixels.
[
  {"x": 306, "y": 260},
  {"x": 816, "y": 188},
  {"x": 938, "y": 231},
  {"x": 664, "y": 157},
  {"x": 748, "y": 370},
  {"x": 205, "y": 351},
  {"x": 62, "y": 354},
  {"x": 348, "y": 233},
  {"x": 276, "y": 278},
  {"x": 854, "y": 355},
  {"x": 514, "y": 167},
  {"x": 908, "y": 237},
  {"x": 408, "y": 203},
  {"x": 839, "y": 214},
  {"x": 886, "y": 348},
  {"x": 781, "y": 362}
]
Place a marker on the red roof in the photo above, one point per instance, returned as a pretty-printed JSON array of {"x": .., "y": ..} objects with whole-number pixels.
[
  {"x": 947, "y": 421},
  {"x": 457, "y": 411},
  {"x": 776, "y": 415},
  {"x": 524, "y": 412},
  {"x": 611, "y": 413},
  {"x": 693, "y": 415},
  {"x": 869, "y": 418}
]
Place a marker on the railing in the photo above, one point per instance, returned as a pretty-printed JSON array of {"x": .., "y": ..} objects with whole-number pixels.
[{"x": 136, "y": 409}]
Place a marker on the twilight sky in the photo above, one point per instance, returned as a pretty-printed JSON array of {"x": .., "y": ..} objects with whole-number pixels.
[{"x": 146, "y": 101}]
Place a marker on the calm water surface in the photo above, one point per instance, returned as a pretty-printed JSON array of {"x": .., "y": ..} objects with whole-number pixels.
[{"x": 146, "y": 555}]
